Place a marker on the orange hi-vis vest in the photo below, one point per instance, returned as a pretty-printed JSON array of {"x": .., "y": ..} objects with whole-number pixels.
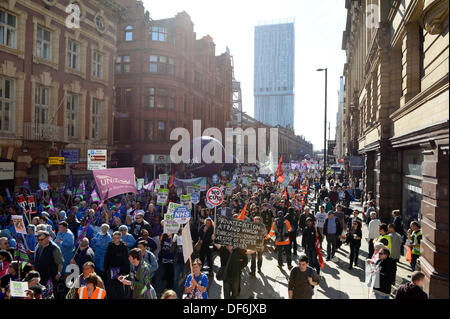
[
  {"x": 272, "y": 233},
  {"x": 98, "y": 293}
]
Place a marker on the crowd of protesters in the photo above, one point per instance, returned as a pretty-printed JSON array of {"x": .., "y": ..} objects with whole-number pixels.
[{"x": 122, "y": 252}]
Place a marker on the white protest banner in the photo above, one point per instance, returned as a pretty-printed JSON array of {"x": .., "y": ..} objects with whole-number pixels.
[
  {"x": 182, "y": 214},
  {"x": 17, "y": 288},
  {"x": 19, "y": 225},
  {"x": 197, "y": 188},
  {"x": 163, "y": 194},
  {"x": 261, "y": 181},
  {"x": 170, "y": 224},
  {"x": 215, "y": 179},
  {"x": 187, "y": 242},
  {"x": 290, "y": 189},
  {"x": 186, "y": 200},
  {"x": 190, "y": 189}
]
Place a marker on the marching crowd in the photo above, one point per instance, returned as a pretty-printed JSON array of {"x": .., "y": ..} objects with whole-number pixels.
[{"x": 122, "y": 252}]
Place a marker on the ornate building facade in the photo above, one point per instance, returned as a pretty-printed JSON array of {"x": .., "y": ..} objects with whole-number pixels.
[
  {"x": 56, "y": 82},
  {"x": 396, "y": 89},
  {"x": 165, "y": 78}
]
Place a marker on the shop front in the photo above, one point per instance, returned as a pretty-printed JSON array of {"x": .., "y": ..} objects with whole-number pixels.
[{"x": 412, "y": 185}]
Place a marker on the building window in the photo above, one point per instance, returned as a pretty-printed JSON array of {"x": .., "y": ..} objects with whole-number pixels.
[
  {"x": 150, "y": 98},
  {"x": 71, "y": 115},
  {"x": 129, "y": 33},
  {"x": 118, "y": 97},
  {"x": 73, "y": 54},
  {"x": 100, "y": 23},
  {"x": 197, "y": 80},
  {"x": 122, "y": 64},
  {"x": 128, "y": 98},
  {"x": 41, "y": 104},
  {"x": 97, "y": 63},
  {"x": 6, "y": 104},
  {"x": 172, "y": 99},
  {"x": 7, "y": 29},
  {"x": 162, "y": 98},
  {"x": 161, "y": 64},
  {"x": 96, "y": 123},
  {"x": 412, "y": 185},
  {"x": 149, "y": 129},
  {"x": 159, "y": 34},
  {"x": 161, "y": 130},
  {"x": 43, "y": 43}
]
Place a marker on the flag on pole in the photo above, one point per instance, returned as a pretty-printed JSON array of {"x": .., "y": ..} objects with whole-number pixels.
[
  {"x": 244, "y": 210},
  {"x": 172, "y": 179},
  {"x": 94, "y": 196},
  {"x": 50, "y": 206},
  {"x": 83, "y": 234},
  {"x": 286, "y": 195},
  {"x": 20, "y": 253},
  {"x": 148, "y": 186},
  {"x": 319, "y": 251},
  {"x": 81, "y": 189}
]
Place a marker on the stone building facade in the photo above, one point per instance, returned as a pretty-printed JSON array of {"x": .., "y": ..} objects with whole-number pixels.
[
  {"x": 397, "y": 95},
  {"x": 165, "y": 78},
  {"x": 56, "y": 82}
]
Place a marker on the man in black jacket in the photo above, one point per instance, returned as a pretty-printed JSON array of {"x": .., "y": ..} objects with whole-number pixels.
[
  {"x": 303, "y": 217},
  {"x": 386, "y": 268},
  {"x": 267, "y": 217},
  {"x": 84, "y": 254},
  {"x": 138, "y": 225},
  {"x": 116, "y": 264},
  {"x": 309, "y": 244},
  {"x": 413, "y": 289},
  {"x": 292, "y": 217}
]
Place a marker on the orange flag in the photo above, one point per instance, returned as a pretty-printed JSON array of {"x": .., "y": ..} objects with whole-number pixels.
[
  {"x": 280, "y": 179},
  {"x": 242, "y": 214},
  {"x": 171, "y": 180}
]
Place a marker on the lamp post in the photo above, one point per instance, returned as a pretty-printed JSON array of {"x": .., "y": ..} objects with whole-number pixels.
[{"x": 325, "y": 129}]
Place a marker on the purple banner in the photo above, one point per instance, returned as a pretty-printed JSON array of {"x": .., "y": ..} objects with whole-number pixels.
[{"x": 114, "y": 181}]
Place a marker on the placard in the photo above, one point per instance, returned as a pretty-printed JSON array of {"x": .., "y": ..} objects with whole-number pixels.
[
  {"x": 239, "y": 233},
  {"x": 195, "y": 198},
  {"x": 170, "y": 225},
  {"x": 19, "y": 225},
  {"x": 163, "y": 195},
  {"x": 181, "y": 215},
  {"x": 17, "y": 288},
  {"x": 214, "y": 196},
  {"x": 185, "y": 200},
  {"x": 139, "y": 183},
  {"x": 163, "y": 179}
]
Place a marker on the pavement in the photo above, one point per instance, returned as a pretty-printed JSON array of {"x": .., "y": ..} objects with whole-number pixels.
[{"x": 336, "y": 280}]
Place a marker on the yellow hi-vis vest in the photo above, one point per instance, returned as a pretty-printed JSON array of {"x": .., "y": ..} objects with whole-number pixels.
[
  {"x": 388, "y": 238},
  {"x": 415, "y": 250}
]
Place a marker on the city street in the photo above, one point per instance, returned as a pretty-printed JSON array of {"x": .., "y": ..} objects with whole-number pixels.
[{"x": 336, "y": 280}]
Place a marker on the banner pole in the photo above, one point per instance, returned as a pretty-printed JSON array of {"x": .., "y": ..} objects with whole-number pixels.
[{"x": 24, "y": 241}]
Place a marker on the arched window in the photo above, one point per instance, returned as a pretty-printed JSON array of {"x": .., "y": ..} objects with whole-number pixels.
[{"x": 129, "y": 33}]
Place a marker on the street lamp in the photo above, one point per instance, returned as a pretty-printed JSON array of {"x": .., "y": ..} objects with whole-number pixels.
[{"x": 325, "y": 130}]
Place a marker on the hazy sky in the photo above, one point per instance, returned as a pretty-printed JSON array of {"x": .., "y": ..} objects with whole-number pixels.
[{"x": 318, "y": 36}]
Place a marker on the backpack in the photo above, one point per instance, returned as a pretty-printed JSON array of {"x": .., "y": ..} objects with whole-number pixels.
[
  {"x": 309, "y": 270},
  {"x": 280, "y": 229}
]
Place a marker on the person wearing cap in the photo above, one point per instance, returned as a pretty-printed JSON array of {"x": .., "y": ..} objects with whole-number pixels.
[
  {"x": 281, "y": 229},
  {"x": 62, "y": 215},
  {"x": 48, "y": 259},
  {"x": 47, "y": 220},
  {"x": 127, "y": 239}
]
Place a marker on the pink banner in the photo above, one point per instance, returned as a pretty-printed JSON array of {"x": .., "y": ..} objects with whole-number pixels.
[{"x": 114, "y": 181}]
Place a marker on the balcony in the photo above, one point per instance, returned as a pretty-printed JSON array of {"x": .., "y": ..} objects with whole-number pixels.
[{"x": 43, "y": 132}]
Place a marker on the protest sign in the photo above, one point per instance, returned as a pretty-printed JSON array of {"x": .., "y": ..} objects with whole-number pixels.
[
  {"x": 139, "y": 183},
  {"x": 163, "y": 179},
  {"x": 239, "y": 233},
  {"x": 19, "y": 225},
  {"x": 20, "y": 199},
  {"x": 215, "y": 179},
  {"x": 114, "y": 181},
  {"x": 17, "y": 288},
  {"x": 185, "y": 200},
  {"x": 163, "y": 194},
  {"x": 254, "y": 189},
  {"x": 170, "y": 225},
  {"x": 187, "y": 243},
  {"x": 290, "y": 189},
  {"x": 190, "y": 189},
  {"x": 31, "y": 203},
  {"x": 229, "y": 189},
  {"x": 197, "y": 188},
  {"x": 43, "y": 186},
  {"x": 171, "y": 207},
  {"x": 214, "y": 196},
  {"x": 182, "y": 214},
  {"x": 195, "y": 198},
  {"x": 272, "y": 178}
]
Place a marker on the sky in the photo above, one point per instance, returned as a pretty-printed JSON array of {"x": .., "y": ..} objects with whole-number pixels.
[{"x": 319, "y": 25}]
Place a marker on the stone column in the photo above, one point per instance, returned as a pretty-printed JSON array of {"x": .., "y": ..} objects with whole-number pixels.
[{"x": 435, "y": 207}]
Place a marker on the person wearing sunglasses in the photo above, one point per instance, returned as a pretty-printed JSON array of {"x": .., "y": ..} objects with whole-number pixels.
[{"x": 386, "y": 269}]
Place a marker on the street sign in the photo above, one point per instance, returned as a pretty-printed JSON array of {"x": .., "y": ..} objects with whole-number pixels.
[
  {"x": 96, "y": 159},
  {"x": 214, "y": 196},
  {"x": 56, "y": 160},
  {"x": 71, "y": 155}
]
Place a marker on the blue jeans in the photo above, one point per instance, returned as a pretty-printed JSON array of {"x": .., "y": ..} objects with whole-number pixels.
[
  {"x": 378, "y": 296},
  {"x": 177, "y": 273}
]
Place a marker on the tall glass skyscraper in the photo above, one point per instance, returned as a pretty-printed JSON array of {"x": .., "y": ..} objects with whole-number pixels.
[{"x": 274, "y": 74}]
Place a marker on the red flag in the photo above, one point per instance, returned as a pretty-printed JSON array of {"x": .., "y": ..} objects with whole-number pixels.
[
  {"x": 242, "y": 214},
  {"x": 279, "y": 169},
  {"x": 171, "y": 180},
  {"x": 319, "y": 251},
  {"x": 280, "y": 179}
]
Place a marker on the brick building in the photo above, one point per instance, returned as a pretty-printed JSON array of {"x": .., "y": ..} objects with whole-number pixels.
[
  {"x": 397, "y": 116},
  {"x": 56, "y": 82},
  {"x": 165, "y": 78}
]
